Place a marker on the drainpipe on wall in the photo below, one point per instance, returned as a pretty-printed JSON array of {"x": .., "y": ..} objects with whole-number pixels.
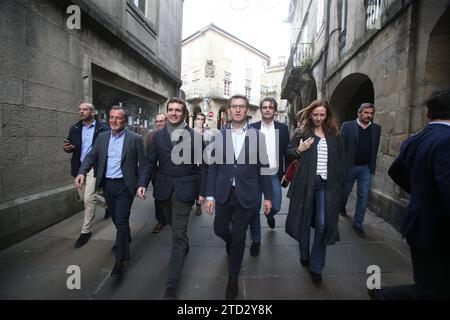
[{"x": 325, "y": 53}]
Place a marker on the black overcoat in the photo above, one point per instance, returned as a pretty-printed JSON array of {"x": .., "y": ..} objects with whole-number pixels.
[{"x": 301, "y": 191}]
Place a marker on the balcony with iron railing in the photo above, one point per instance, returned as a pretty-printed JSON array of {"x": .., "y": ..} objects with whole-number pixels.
[
  {"x": 303, "y": 54},
  {"x": 300, "y": 61}
]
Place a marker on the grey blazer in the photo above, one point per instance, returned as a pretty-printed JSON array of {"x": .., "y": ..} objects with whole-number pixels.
[{"x": 132, "y": 156}]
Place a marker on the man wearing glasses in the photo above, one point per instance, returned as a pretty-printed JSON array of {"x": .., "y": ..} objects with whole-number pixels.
[{"x": 232, "y": 185}]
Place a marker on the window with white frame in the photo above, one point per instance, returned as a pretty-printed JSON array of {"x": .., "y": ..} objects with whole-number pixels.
[
  {"x": 141, "y": 5},
  {"x": 196, "y": 84},
  {"x": 272, "y": 86},
  {"x": 184, "y": 83},
  {"x": 148, "y": 8},
  {"x": 248, "y": 88},
  {"x": 226, "y": 84},
  {"x": 263, "y": 92},
  {"x": 264, "y": 66}
]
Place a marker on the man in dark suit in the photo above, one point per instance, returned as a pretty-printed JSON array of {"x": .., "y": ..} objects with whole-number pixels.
[
  {"x": 232, "y": 184},
  {"x": 361, "y": 139},
  {"x": 117, "y": 155},
  {"x": 423, "y": 170},
  {"x": 160, "y": 122},
  {"x": 178, "y": 182},
  {"x": 277, "y": 140},
  {"x": 82, "y": 136}
]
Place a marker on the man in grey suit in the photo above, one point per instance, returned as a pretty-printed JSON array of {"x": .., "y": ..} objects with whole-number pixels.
[{"x": 117, "y": 155}]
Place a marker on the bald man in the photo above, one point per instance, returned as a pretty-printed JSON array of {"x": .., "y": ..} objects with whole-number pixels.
[{"x": 79, "y": 142}]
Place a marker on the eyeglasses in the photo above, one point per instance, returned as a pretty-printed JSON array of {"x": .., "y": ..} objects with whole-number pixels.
[{"x": 234, "y": 107}]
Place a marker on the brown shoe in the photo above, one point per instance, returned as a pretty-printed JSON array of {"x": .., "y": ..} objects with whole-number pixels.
[{"x": 157, "y": 228}]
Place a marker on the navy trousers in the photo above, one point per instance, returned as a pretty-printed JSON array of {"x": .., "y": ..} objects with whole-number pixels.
[
  {"x": 241, "y": 217},
  {"x": 119, "y": 201}
]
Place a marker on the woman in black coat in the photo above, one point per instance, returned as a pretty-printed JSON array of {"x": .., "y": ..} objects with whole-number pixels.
[{"x": 315, "y": 191}]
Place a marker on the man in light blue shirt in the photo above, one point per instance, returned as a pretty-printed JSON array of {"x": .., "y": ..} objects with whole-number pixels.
[
  {"x": 115, "y": 147},
  {"x": 232, "y": 185},
  {"x": 117, "y": 155},
  {"x": 79, "y": 142}
]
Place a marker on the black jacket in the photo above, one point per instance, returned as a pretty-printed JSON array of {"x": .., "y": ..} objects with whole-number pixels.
[
  {"x": 350, "y": 136},
  {"x": 301, "y": 191},
  {"x": 75, "y": 139},
  {"x": 187, "y": 179}
]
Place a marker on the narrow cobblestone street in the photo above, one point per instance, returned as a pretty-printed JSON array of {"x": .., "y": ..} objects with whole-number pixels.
[{"x": 36, "y": 267}]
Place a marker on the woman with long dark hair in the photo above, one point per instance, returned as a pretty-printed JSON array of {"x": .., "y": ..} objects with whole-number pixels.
[{"x": 315, "y": 191}]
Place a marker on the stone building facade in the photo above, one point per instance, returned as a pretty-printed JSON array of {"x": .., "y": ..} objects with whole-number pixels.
[
  {"x": 215, "y": 66},
  {"x": 272, "y": 79},
  {"x": 125, "y": 52},
  {"x": 393, "y": 53}
]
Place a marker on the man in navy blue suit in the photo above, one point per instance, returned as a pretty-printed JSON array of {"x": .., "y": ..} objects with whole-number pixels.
[
  {"x": 232, "y": 185},
  {"x": 361, "y": 139},
  {"x": 177, "y": 184},
  {"x": 277, "y": 140},
  {"x": 423, "y": 170}
]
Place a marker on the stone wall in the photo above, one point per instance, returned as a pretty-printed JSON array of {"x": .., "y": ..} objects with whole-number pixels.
[{"x": 45, "y": 72}]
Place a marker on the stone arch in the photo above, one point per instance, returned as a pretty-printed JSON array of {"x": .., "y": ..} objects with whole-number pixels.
[
  {"x": 349, "y": 94},
  {"x": 196, "y": 110}
]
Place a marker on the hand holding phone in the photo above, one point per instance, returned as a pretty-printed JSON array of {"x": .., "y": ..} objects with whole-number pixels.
[{"x": 68, "y": 147}]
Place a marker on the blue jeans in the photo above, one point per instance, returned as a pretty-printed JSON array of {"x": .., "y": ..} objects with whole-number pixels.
[
  {"x": 318, "y": 252},
  {"x": 255, "y": 224},
  {"x": 363, "y": 179}
]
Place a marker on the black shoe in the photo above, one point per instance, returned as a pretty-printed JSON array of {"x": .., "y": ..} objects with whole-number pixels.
[
  {"x": 83, "y": 239},
  {"x": 304, "y": 262},
  {"x": 228, "y": 247},
  {"x": 170, "y": 294},
  {"x": 232, "y": 289},
  {"x": 271, "y": 222},
  {"x": 316, "y": 277},
  {"x": 118, "y": 270},
  {"x": 360, "y": 232},
  {"x": 254, "y": 249},
  {"x": 107, "y": 214}
]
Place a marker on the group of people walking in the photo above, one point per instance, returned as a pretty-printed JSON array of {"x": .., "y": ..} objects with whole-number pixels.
[{"x": 233, "y": 176}]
